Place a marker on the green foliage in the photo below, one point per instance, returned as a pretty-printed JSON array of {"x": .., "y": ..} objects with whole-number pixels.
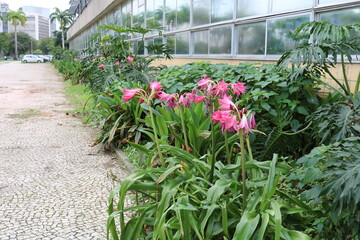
[
  {"x": 336, "y": 121},
  {"x": 178, "y": 203},
  {"x": 329, "y": 177},
  {"x": 328, "y": 42},
  {"x": 281, "y": 104},
  {"x": 23, "y": 43}
]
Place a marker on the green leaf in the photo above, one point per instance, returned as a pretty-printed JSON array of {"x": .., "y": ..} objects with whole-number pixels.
[
  {"x": 312, "y": 174},
  {"x": 302, "y": 110},
  {"x": 247, "y": 225}
]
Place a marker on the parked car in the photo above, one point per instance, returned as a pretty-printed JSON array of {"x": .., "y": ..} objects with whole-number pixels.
[{"x": 32, "y": 59}]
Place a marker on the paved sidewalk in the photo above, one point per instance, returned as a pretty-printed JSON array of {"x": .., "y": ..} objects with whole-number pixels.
[{"x": 53, "y": 185}]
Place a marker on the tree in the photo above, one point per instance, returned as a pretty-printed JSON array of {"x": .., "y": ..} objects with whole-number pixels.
[
  {"x": 4, "y": 43},
  {"x": 16, "y": 18},
  {"x": 64, "y": 19},
  {"x": 46, "y": 45},
  {"x": 24, "y": 42}
]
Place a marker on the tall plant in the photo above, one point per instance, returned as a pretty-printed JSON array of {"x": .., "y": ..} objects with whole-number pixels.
[
  {"x": 329, "y": 44},
  {"x": 64, "y": 19},
  {"x": 16, "y": 18}
]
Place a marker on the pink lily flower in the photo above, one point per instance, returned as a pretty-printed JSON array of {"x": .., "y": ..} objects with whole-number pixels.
[
  {"x": 226, "y": 103},
  {"x": 231, "y": 124},
  {"x": 130, "y": 93},
  {"x": 185, "y": 100},
  {"x": 221, "y": 88},
  {"x": 198, "y": 99},
  {"x": 130, "y": 59},
  {"x": 252, "y": 123},
  {"x": 217, "y": 116},
  {"x": 102, "y": 66},
  {"x": 156, "y": 86},
  {"x": 238, "y": 88},
  {"x": 244, "y": 125},
  {"x": 117, "y": 63},
  {"x": 204, "y": 82}
]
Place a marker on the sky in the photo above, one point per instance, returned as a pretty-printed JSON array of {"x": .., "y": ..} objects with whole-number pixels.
[{"x": 16, "y": 4}]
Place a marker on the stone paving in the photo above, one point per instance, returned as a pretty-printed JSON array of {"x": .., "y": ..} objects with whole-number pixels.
[{"x": 53, "y": 184}]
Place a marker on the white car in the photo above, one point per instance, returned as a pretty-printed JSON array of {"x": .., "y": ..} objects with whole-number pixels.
[{"x": 32, "y": 59}]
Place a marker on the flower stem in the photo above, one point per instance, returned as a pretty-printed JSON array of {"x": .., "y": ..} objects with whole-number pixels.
[
  {"x": 212, "y": 152},
  {"x": 253, "y": 171},
  {"x": 156, "y": 136},
  {"x": 227, "y": 149},
  {"x": 243, "y": 170},
  {"x": 183, "y": 127}
]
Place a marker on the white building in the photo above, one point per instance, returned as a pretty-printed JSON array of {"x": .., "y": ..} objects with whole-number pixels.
[{"x": 36, "y": 26}]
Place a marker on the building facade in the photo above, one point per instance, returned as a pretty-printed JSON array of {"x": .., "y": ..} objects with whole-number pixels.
[
  {"x": 45, "y": 13},
  {"x": 4, "y": 9},
  {"x": 36, "y": 26},
  {"x": 225, "y": 29}
]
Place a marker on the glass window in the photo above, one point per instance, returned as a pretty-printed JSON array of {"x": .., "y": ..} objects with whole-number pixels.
[
  {"x": 221, "y": 10},
  {"x": 117, "y": 16},
  {"x": 138, "y": 47},
  {"x": 201, "y": 42},
  {"x": 341, "y": 17},
  {"x": 251, "y": 8},
  {"x": 281, "y": 5},
  {"x": 251, "y": 38},
  {"x": 126, "y": 14},
  {"x": 170, "y": 42},
  {"x": 280, "y": 33},
  {"x": 159, "y": 11},
  {"x": 201, "y": 12},
  {"x": 183, "y": 14},
  {"x": 170, "y": 5},
  {"x": 150, "y": 42},
  {"x": 149, "y": 8},
  {"x": 182, "y": 43},
  {"x": 220, "y": 40}
]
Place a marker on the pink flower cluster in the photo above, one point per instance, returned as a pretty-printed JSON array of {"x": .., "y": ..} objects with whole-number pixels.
[
  {"x": 130, "y": 59},
  {"x": 231, "y": 119},
  {"x": 102, "y": 66},
  {"x": 173, "y": 100},
  {"x": 220, "y": 89},
  {"x": 153, "y": 92}
]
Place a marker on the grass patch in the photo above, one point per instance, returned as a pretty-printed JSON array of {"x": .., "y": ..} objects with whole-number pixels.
[
  {"x": 134, "y": 156},
  {"x": 27, "y": 114},
  {"x": 78, "y": 95}
]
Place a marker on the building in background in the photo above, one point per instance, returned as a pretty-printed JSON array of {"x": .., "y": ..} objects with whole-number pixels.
[
  {"x": 4, "y": 9},
  {"x": 44, "y": 13},
  {"x": 36, "y": 26}
]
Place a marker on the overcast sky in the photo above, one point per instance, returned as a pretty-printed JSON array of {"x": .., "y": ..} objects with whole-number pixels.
[{"x": 16, "y": 4}]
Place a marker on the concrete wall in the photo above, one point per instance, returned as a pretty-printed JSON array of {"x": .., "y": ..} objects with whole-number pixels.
[
  {"x": 352, "y": 70},
  {"x": 95, "y": 8}
]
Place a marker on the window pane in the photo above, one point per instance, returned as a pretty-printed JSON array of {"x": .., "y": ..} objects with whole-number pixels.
[
  {"x": 138, "y": 47},
  {"x": 281, "y": 5},
  {"x": 251, "y": 8},
  {"x": 182, "y": 43},
  {"x": 220, "y": 40},
  {"x": 183, "y": 14},
  {"x": 149, "y": 8},
  {"x": 170, "y": 5},
  {"x": 201, "y": 9},
  {"x": 280, "y": 33},
  {"x": 221, "y": 10},
  {"x": 150, "y": 42},
  {"x": 342, "y": 17},
  {"x": 159, "y": 11},
  {"x": 170, "y": 42},
  {"x": 170, "y": 18},
  {"x": 201, "y": 42},
  {"x": 251, "y": 38}
]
